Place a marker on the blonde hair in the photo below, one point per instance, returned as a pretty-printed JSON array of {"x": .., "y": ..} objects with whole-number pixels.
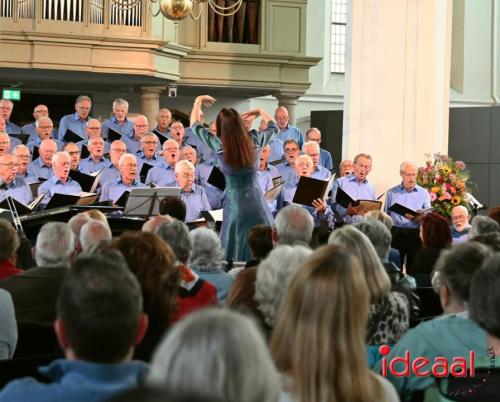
[
  {"x": 319, "y": 339},
  {"x": 379, "y": 283}
]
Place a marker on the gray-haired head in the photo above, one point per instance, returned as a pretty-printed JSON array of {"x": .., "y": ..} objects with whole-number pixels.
[
  {"x": 176, "y": 235},
  {"x": 153, "y": 223},
  {"x": 94, "y": 232},
  {"x": 379, "y": 236},
  {"x": 55, "y": 245},
  {"x": 120, "y": 102},
  {"x": 294, "y": 224},
  {"x": 76, "y": 223},
  {"x": 206, "y": 253},
  {"x": 82, "y": 98},
  {"x": 482, "y": 225},
  {"x": 274, "y": 275},
  {"x": 220, "y": 353}
]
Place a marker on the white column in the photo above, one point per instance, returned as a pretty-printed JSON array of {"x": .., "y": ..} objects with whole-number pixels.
[
  {"x": 397, "y": 83},
  {"x": 150, "y": 103}
]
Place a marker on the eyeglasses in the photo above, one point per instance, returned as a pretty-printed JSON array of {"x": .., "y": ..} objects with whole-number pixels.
[
  {"x": 10, "y": 165},
  {"x": 22, "y": 156},
  {"x": 171, "y": 149},
  {"x": 142, "y": 125},
  {"x": 187, "y": 175},
  {"x": 46, "y": 127},
  {"x": 291, "y": 150},
  {"x": 74, "y": 153},
  {"x": 119, "y": 150},
  {"x": 42, "y": 111},
  {"x": 4, "y": 142},
  {"x": 149, "y": 142},
  {"x": 130, "y": 165},
  {"x": 93, "y": 128}
]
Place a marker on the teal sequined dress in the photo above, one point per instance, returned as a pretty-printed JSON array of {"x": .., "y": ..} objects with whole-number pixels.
[{"x": 244, "y": 205}]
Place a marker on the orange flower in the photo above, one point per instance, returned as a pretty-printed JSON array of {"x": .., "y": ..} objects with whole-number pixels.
[
  {"x": 455, "y": 200},
  {"x": 435, "y": 189}
]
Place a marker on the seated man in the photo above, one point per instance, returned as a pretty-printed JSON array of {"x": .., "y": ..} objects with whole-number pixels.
[
  {"x": 13, "y": 185},
  {"x": 23, "y": 155},
  {"x": 192, "y": 194},
  {"x": 320, "y": 211},
  {"x": 147, "y": 154},
  {"x": 99, "y": 321},
  {"x": 41, "y": 167},
  {"x": 113, "y": 190},
  {"x": 77, "y": 121},
  {"x": 133, "y": 141},
  {"x": 96, "y": 160},
  {"x": 59, "y": 182},
  {"x": 44, "y": 129},
  {"x": 325, "y": 157},
  {"x": 163, "y": 173},
  {"x": 312, "y": 149},
  {"x": 460, "y": 225},
  {"x": 35, "y": 291},
  {"x": 112, "y": 172},
  {"x": 74, "y": 152},
  {"x": 119, "y": 122}
]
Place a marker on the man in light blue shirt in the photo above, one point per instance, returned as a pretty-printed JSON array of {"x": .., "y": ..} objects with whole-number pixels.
[
  {"x": 460, "y": 224},
  {"x": 30, "y": 129},
  {"x": 163, "y": 174},
  {"x": 11, "y": 185},
  {"x": 6, "y": 107},
  {"x": 44, "y": 129},
  {"x": 113, "y": 190},
  {"x": 275, "y": 145},
  {"x": 291, "y": 148},
  {"x": 163, "y": 119},
  {"x": 41, "y": 167},
  {"x": 264, "y": 166},
  {"x": 147, "y": 154},
  {"x": 406, "y": 229},
  {"x": 193, "y": 195},
  {"x": 112, "y": 172},
  {"x": 312, "y": 149},
  {"x": 119, "y": 122},
  {"x": 133, "y": 141},
  {"x": 214, "y": 194},
  {"x": 96, "y": 160},
  {"x": 76, "y": 122},
  {"x": 286, "y": 130},
  {"x": 94, "y": 129},
  {"x": 325, "y": 157},
  {"x": 23, "y": 155},
  {"x": 59, "y": 182},
  {"x": 357, "y": 187}
]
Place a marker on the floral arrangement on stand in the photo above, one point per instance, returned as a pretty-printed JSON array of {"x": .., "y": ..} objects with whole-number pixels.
[{"x": 446, "y": 181}]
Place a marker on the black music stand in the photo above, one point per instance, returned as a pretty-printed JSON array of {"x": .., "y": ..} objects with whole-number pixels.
[{"x": 144, "y": 201}]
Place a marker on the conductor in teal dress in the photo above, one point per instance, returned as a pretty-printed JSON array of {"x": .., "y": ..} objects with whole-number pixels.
[{"x": 237, "y": 154}]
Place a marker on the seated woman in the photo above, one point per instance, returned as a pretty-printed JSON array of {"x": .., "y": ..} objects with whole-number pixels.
[
  {"x": 218, "y": 353},
  {"x": 318, "y": 343},
  {"x": 389, "y": 311},
  {"x": 435, "y": 235}
]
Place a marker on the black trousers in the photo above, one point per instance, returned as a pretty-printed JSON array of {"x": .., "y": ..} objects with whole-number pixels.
[{"x": 408, "y": 242}]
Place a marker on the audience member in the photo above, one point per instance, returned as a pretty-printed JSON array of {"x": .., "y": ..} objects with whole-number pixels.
[
  {"x": 492, "y": 240},
  {"x": 77, "y": 121},
  {"x": 8, "y": 250},
  {"x": 92, "y": 233},
  {"x": 293, "y": 225},
  {"x": 494, "y": 213},
  {"x": 381, "y": 216},
  {"x": 260, "y": 241},
  {"x": 160, "y": 394},
  {"x": 153, "y": 223},
  {"x": 460, "y": 225},
  {"x": 389, "y": 315},
  {"x": 8, "y": 327},
  {"x": 206, "y": 260},
  {"x": 435, "y": 235},
  {"x": 482, "y": 225},
  {"x": 325, "y": 157},
  {"x": 153, "y": 262},
  {"x": 194, "y": 292},
  {"x": 453, "y": 334},
  {"x": 97, "y": 215},
  {"x": 318, "y": 342},
  {"x": 99, "y": 322},
  {"x": 35, "y": 291},
  {"x": 173, "y": 206},
  {"x": 10, "y": 184},
  {"x": 76, "y": 223},
  {"x": 219, "y": 354}
]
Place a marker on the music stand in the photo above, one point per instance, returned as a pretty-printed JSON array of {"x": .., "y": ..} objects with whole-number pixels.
[
  {"x": 474, "y": 203},
  {"x": 144, "y": 201}
]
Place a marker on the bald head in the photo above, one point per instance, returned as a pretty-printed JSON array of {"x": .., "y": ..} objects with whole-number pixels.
[
  {"x": 4, "y": 143},
  {"x": 141, "y": 126}
]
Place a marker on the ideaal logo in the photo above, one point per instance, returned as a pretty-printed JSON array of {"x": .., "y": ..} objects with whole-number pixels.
[{"x": 439, "y": 367}]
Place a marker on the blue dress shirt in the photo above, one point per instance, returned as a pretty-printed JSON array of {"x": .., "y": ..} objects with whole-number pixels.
[
  {"x": 357, "y": 191},
  {"x": 285, "y": 170},
  {"x": 133, "y": 145},
  {"x": 459, "y": 237},
  {"x": 28, "y": 178},
  {"x": 38, "y": 169},
  {"x": 196, "y": 201},
  {"x": 141, "y": 160},
  {"x": 75, "y": 124},
  {"x": 321, "y": 173},
  {"x": 416, "y": 199},
  {"x": 14, "y": 142},
  {"x": 37, "y": 141},
  {"x": 214, "y": 194},
  {"x": 273, "y": 171},
  {"x": 325, "y": 159},
  {"x": 125, "y": 129},
  {"x": 162, "y": 175},
  {"x": 12, "y": 128},
  {"x": 291, "y": 133},
  {"x": 56, "y": 185},
  {"x": 110, "y": 173},
  {"x": 18, "y": 189},
  {"x": 88, "y": 165},
  {"x": 266, "y": 184},
  {"x": 113, "y": 190},
  {"x": 276, "y": 150}
]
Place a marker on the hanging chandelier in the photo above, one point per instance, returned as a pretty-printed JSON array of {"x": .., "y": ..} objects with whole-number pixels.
[{"x": 177, "y": 10}]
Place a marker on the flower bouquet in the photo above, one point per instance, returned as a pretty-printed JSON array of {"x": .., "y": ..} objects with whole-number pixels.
[{"x": 446, "y": 182}]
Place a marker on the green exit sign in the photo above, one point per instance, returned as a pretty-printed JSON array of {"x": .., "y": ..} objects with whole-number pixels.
[{"x": 12, "y": 94}]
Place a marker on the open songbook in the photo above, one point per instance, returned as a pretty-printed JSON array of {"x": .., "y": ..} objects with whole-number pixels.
[
  {"x": 344, "y": 200},
  {"x": 62, "y": 200},
  {"x": 403, "y": 211},
  {"x": 212, "y": 216},
  {"x": 88, "y": 182},
  {"x": 21, "y": 208},
  {"x": 310, "y": 189}
]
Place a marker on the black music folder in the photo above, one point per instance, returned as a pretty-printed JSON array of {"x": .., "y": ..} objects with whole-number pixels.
[
  {"x": 403, "y": 211},
  {"x": 113, "y": 135},
  {"x": 122, "y": 201},
  {"x": 344, "y": 199},
  {"x": 21, "y": 137},
  {"x": 63, "y": 200},
  {"x": 88, "y": 182},
  {"x": 217, "y": 179},
  {"x": 71, "y": 136},
  {"x": 21, "y": 208},
  {"x": 310, "y": 189},
  {"x": 36, "y": 152},
  {"x": 146, "y": 167},
  {"x": 84, "y": 152},
  {"x": 162, "y": 138}
]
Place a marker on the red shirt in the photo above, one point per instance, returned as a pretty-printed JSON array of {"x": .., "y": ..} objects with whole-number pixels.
[{"x": 7, "y": 269}]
